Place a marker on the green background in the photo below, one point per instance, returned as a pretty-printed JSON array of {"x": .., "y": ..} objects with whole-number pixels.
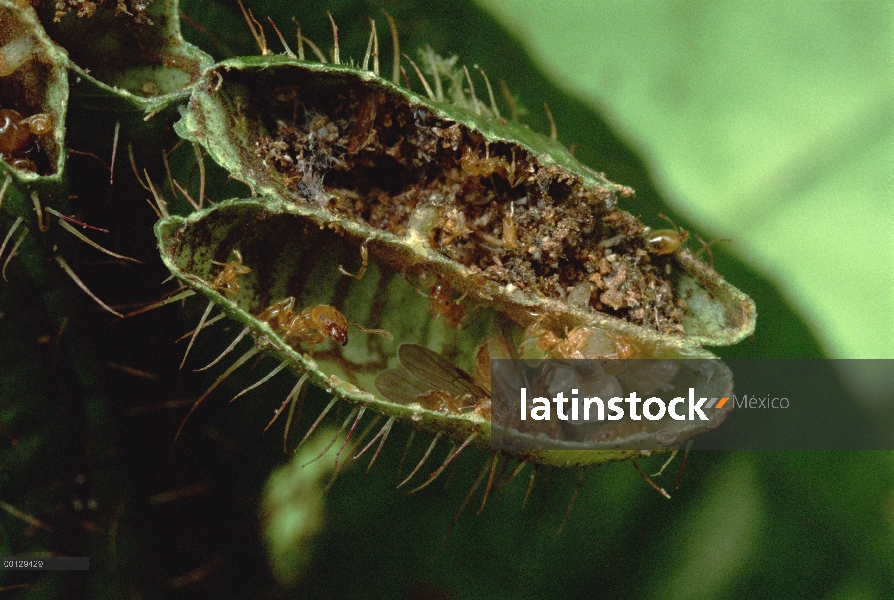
[{"x": 769, "y": 123}]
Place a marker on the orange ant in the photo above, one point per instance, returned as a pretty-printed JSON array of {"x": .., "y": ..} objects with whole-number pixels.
[
  {"x": 442, "y": 304},
  {"x": 472, "y": 164},
  {"x": 510, "y": 230},
  {"x": 313, "y": 325},
  {"x": 584, "y": 342},
  {"x": 665, "y": 241},
  {"x": 670, "y": 241},
  {"x": 441, "y": 301},
  {"x": 226, "y": 281}
]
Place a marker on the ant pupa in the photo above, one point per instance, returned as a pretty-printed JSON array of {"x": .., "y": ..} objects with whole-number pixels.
[{"x": 16, "y": 53}]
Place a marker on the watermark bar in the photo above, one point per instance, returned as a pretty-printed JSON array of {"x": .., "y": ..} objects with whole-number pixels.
[
  {"x": 660, "y": 404},
  {"x": 45, "y": 563}
]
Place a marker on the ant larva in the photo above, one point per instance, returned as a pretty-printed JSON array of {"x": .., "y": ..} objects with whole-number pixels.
[
  {"x": 226, "y": 281},
  {"x": 313, "y": 325}
]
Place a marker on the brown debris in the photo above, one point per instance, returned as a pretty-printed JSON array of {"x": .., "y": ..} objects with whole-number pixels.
[
  {"x": 85, "y": 9},
  {"x": 373, "y": 157}
]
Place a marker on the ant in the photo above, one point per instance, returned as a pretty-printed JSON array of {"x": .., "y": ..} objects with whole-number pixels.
[
  {"x": 583, "y": 342},
  {"x": 441, "y": 301},
  {"x": 472, "y": 164},
  {"x": 670, "y": 241},
  {"x": 226, "y": 281},
  {"x": 313, "y": 325},
  {"x": 665, "y": 241}
]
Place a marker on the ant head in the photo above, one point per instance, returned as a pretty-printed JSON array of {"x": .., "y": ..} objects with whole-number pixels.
[
  {"x": 336, "y": 332},
  {"x": 333, "y": 324}
]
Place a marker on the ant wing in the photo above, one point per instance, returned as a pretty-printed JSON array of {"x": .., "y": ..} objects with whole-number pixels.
[
  {"x": 440, "y": 374},
  {"x": 400, "y": 386}
]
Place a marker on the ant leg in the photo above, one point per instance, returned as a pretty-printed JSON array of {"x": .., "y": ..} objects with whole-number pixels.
[
  {"x": 316, "y": 339},
  {"x": 707, "y": 246},
  {"x": 364, "y": 256},
  {"x": 385, "y": 334}
]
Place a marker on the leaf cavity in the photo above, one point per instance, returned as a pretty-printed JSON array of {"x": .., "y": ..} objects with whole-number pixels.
[{"x": 375, "y": 155}]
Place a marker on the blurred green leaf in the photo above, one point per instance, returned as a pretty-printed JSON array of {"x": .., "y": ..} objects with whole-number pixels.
[{"x": 766, "y": 123}]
